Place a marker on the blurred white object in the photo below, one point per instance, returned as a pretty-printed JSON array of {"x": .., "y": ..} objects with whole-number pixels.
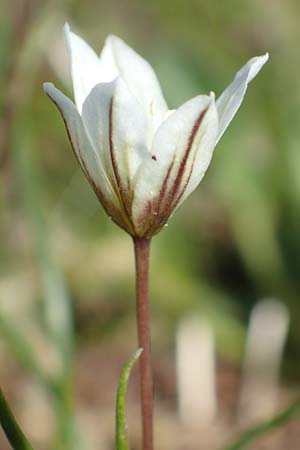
[
  {"x": 269, "y": 323},
  {"x": 195, "y": 360}
]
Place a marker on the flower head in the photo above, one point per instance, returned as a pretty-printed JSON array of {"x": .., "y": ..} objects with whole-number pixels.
[{"x": 141, "y": 159}]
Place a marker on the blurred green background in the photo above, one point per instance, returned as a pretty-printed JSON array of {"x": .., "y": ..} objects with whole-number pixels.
[{"x": 235, "y": 241}]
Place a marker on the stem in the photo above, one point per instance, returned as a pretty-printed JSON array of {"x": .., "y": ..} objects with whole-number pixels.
[{"x": 142, "y": 250}]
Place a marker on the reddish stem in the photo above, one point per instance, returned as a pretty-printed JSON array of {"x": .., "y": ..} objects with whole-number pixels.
[{"x": 142, "y": 250}]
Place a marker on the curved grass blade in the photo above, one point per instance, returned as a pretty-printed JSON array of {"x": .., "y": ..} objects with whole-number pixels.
[
  {"x": 21, "y": 348},
  {"x": 258, "y": 431},
  {"x": 121, "y": 424},
  {"x": 13, "y": 432}
]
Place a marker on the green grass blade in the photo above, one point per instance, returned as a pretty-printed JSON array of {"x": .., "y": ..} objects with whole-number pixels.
[
  {"x": 12, "y": 431},
  {"x": 121, "y": 424},
  {"x": 258, "y": 431},
  {"x": 19, "y": 345}
]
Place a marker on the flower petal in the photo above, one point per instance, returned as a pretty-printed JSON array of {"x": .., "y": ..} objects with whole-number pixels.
[
  {"x": 230, "y": 100},
  {"x": 86, "y": 155},
  {"x": 108, "y": 67},
  {"x": 181, "y": 152},
  {"x": 116, "y": 125},
  {"x": 141, "y": 81},
  {"x": 85, "y": 67}
]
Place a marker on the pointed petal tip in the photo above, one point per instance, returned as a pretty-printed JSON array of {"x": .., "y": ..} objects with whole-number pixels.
[
  {"x": 54, "y": 94},
  {"x": 47, "y": 87},
  {"x": 263, "y": 58},
  {"x": 208, "y": 99},
  {"x": 113, "y": 36},
  {"x": 113, "y": 39},
  {"x": 258, "y": 61},
  {"x": 66, "y": 27},
  {"x": 230, "y": 100},
  {"x": 67, "y": 33},
  {"x": 266, "y": 56},
  {"x": 254, "y": 66}
]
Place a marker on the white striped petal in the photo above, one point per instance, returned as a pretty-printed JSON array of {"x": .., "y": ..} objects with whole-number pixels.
[
  {"x": 85, "y": 153},
  {"x": 84, "y": 66},
  {"x": 181, "y": 151},
  {"x": 108, "y": 67},
  {"x": 116, "y": 125},
  {"x": 204, "y": 151},
  {"x": 230, "y": 100},
  {"x": 141, "y": 81}
]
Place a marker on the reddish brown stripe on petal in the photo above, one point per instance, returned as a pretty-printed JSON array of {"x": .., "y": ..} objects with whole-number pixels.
[
  {"x": 185, "y": 185},
  {"x": 111, "y": 148},
  {"x": 168, "y": 199},
  {"x": 165, "y": 182},
  {"x": 65, "y": 122},
  {"x": 187, "y": 152},
  {"x": 78, "y": 156},
  {"x": 155, "y": 207},
  {"x": 109, "y": 207},
  {"x": 125, "y": 196}
]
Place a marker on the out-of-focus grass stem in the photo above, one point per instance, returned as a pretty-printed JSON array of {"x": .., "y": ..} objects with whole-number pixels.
[{"x": 252, "y": 435}]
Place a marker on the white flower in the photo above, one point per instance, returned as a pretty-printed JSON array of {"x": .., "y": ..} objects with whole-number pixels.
[{"x": 141, "y": 159}]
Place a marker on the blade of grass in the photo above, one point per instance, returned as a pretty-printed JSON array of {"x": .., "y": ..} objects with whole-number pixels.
[
  {"x": 121, "y": 424},
  {"x": 250, "y": 436},
  {"x": 12, "y": 431},
  {"x": 20, "y": 347}
]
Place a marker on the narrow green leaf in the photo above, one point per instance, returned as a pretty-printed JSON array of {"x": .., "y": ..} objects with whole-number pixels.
[
  {"x": 12, "y": 431},
  {"x": 258, "y": 431},
  {"x": 19, "y": 345},
  {"x": 121, "y": 425}
]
